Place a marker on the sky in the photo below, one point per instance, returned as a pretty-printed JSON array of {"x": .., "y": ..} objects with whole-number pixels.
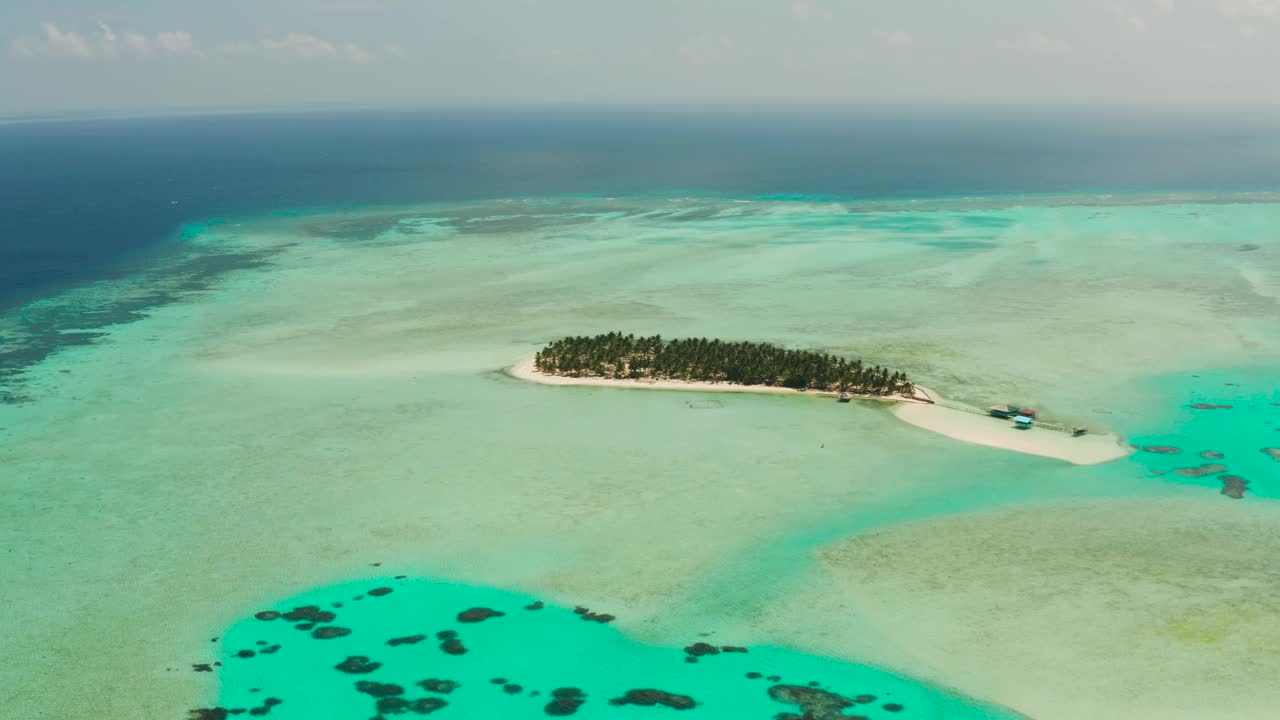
[{"x": 76, "y": 55}]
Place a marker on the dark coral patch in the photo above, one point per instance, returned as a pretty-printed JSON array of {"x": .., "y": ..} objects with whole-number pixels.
[
  {"x": 892, "y": 707},
  {"x": 512, "y": 689},
  {"x": 267, "y": 615},
  {"x": 649, "y": 698},
  {"x": 407, "y": 640},
  {"x": 330, "y": 632},
  {"x": 444, "y": 687},
  {"x": 305, "y": 626},
  {"x": 815, "y": 704},
  {"x": 379, "y": 592},
  {"x": 538, "y": 605},
  {"x": 699, "y": 649},
  {"x": 246, "y": 654},
  {"x": 1212, "y": 455},
  {"x": 732, "y": 649},
  {"x": 309, "y": 613},
  {"x": 377, "y": 689},
  {"x": 270, "y": 650},
  {"x": 202, "y": 667},
  {"x": 453, "y": 646},
  {"x": 1234, "y": 486},
  {"x": 426, "y": 705},
  {"x": 1207, "y": 469},
  {"x": 357, "y": 665},
  {"x": 754, "y": 676},
  {"x": 1162, "y": 449},
  {"x": 447, "y": 634},
  {"x": 478, "y": 614},
  {"x": 566, "y": 702},
  {"x": 1210, "y": 406}
]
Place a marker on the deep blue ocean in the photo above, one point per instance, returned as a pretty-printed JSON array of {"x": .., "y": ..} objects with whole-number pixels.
[{"x": 84, "y": 199}]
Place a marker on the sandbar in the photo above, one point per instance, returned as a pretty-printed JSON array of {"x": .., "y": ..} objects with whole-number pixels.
[{"x": 1092, "y": 449}]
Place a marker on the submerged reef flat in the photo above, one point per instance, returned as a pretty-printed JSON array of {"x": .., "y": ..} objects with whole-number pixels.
[
  {"x": 1132, "y": 610},
  {"x": 318, "y": 395},
  {"x": 531, "y": 665}
]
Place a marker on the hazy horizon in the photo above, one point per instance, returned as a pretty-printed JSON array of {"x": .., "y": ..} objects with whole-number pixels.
[{"x": 66, "y": 55}]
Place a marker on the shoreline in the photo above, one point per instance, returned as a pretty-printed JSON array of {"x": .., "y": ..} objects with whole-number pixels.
[{"x": 920, "y": 411}]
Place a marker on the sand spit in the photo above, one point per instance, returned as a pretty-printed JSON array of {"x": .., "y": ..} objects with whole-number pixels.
[
  {"x": 918, "y": 411},
  {"x": 1092, "y": 449}
]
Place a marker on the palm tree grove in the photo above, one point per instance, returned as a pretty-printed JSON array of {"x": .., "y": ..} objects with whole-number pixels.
[{"x": 627, "y": 357}]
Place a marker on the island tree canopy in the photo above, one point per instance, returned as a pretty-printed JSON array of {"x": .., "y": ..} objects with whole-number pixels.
[{"x": 627, "y": 357}]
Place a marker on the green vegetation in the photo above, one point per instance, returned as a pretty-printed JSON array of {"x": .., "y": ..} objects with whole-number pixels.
[{"x": 627, "y": 357}]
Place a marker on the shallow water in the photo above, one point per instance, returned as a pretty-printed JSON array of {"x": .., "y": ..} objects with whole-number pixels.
[{"x": 329, "y": 394}]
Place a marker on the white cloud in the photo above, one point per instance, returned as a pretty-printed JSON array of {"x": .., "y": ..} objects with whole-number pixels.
[
  {"x": 1249, "y": 9},
  {"x": 1168, "y": 7},
  {"x": 1038, "y": 43},
  {"x": 178, "y": 43},
  {"x": 805, "y": 11},
  {"x": 1128, "y": 17},
  {"x": 897, "y": 38},
  {"x": 104, "y": 44},
  {"x": 357, "y": 54}
]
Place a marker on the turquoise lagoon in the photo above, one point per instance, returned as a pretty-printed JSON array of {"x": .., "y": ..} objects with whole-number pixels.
[
  {"x": 511, "y": 664},
  {"x": 279, "y": 401}
]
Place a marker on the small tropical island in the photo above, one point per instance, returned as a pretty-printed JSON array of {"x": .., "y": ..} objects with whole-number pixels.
[
  {"x": 615, "y": 356},
  {"x": 707, "y": 365}
]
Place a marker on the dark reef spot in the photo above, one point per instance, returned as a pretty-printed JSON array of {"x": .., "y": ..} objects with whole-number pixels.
[
  {"x": 499, "y": 681},
  {"x": 598, "y": 617},
  {"x": 379, "y": 592},
  {"x": 566, "y": 702},
  {"x": 649, "y": 698},
  {"x": 357, "y": 665},
  {"x": 377, "y": 689},
  {"x": 732, "y": 649},
  {"x": 512, "y": 689},
  {"x": 581, "y": 610},
  {"x": 1210, "y": 406},
  {"x": 699, "y": 649},
  {"x": 309, "y": 613},
  {"x": 444, "y": 687},
  {"x": 304, "y": 626},
  {"x": 401, "y": 577},
  {"x": 216, "y": 713},
  {"x": 1207, "y": 469},
  {"x": 478, "y": 614},
  {"x": 453, "y": 646},
  {"x": 270, "y": 650},
  {"x": 1234, "y": 486},
  {"x": 814, "y": 703},
  {"x": 202, "y": 667},
  {"x": 406, "y": 640},
  {"x": 246, "y": 654},
  {"x": 754, "y": 676},
  {"x": 267, "y": 615},
  {"x": 892, "y": 707},
  {"x": 1161, "y": 449},
  {"x": 1212, "y": 455},
  {"x": 330, "y": 632},
  {"x": 865, "y": 699},
  {"x": 447, "y": 634},
  {"x": 537, "y": 605},
  {"x": 774, "y": 678},
  {"x": 425, "y": 706},
  {"x": 690, "y": 659}
]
